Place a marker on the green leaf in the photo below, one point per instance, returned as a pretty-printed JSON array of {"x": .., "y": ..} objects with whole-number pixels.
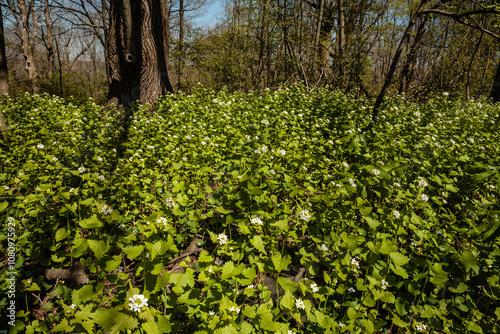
[
  {"x": 469, "y": 261},
  {"x": 205, "y": 257},
  {"x": 257, "y": 242},
  {"x": 288, "y": 300},
  {"x": 399, "y": 259},
  {"x": 461, "y": 288},
  {"x": 398, "y": 322},
  {"x": 399, "y": 271},
  {"x": 249, "y": 311},
  {"x": 62, "y": 326},
  {"x": 281, "y": 262},
  {"x": 484, "y": 175},
  {"x": 98, "y": 247},
  {"x": 3, "y": 206},
  {"x": 287, "y": 285},
  {"x": 91, "y": 222},
  {"x": 133, "y": 252},
  {"x": 474, "y": 327},
  {"x": 267, "y": 323},
  {"x": 372, "y": 222},
  {"x": 62, "y": 234}
]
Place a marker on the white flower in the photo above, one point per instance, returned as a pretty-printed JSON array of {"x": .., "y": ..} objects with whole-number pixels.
[
  {"x": 384, "y": 284},
  {"x": 99, "y": 159},
  {"x": 251, "y": 286},
  {"x": 54, "y": 159},
  {"x": 300, "y": 304},
  {"x": 397, "y": 184},
  {"x": 162, "y": 220},
  {"x": 314, "y": 287},
  {"x": 351, "y": 290},
  {"x": 81, "y": 169},
  {"x": 421, "y": 327},
  {"x": 40, "y": 146},
  {"x": 265, "y": 122},
  {"x": 346, "y": 166},
  {"x": 210, "y": 269},
  {"x": 272, "y": 172},
  {"x": 137, "y": 302},
  {"x": 257, "y": 221},
  {"x": 324, "y": 248},
  {"x": 352, "y": 182},
  {"x": 376, "y": 172},
  {"x": 424, "y": 197},
  {"x": 212, "y": 313},
  {"x": 101, "y": 177},
  {"x": 341, "y": 324},
  {"x": 354, "y": 262},
  {"x": 422, "y": 183},
  {"x": 234, "y": 309},
  {"x": 396, "y": 214},
  {"x": 222, "y": 238},
  {"x": 106, "y": 210},
  {"x": 290, "y": 332},
  {"x": 73, "y": 306},
  {"x": 304, "y": 168},
  {"x": 169, "y": 202},
  {"x": 305, "y": 215},
  {"x": 283, "y": 152}
]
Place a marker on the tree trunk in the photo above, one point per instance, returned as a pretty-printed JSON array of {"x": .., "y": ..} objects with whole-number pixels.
[
  {"x": 27, "y": 40},
  {"x": 341, "y": 41},
  {"x": 264, "y": 40},
  {"x": 181, "y": 43},
  {"x": 495, "y": 90},
  {"x": 411, "y": 58},
  {"x": 4, "y": 83},
  {"x": 395, "y": 60},
  {"x": 138, "y": 62},
  {"x": 49, "y": 41}
]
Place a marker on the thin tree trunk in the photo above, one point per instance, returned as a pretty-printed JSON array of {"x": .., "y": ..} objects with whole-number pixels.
[
  {"x": 411, "y": 58},
  {"x": 467, "y": 85},
  {"x": 49, "y": 41},
  {"x": 341, "y": 40},
  {"x": 264, "y": 40},
  {"x": 147, "y": 76},
  {"x": 395, "y": 60},
  {"x": 27, "y": 40},
  {"x": 495, "y": 89},
  {"x": 4, "y": 83},
  {"x": 181, "y": 42}
]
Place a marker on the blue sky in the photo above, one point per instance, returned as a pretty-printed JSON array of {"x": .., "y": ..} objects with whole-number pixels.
[{"x": 213, "y": 12}]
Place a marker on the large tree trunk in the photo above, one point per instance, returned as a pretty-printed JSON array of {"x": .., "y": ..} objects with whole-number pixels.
[
  {"x": 138, "y": 51},
  {"x": 4, "y": 83},
  {"x": 495, "y": 90}
]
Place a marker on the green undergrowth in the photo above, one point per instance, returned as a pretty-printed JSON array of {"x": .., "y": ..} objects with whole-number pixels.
[{"x": 396, "y": 228}]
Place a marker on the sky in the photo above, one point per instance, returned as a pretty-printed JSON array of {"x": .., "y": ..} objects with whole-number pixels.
[{"x": 214, "y": 11}]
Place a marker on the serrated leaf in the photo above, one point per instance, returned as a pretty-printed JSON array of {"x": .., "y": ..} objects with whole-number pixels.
[
  {"x": 3, "y": 206},
  {"x": 98, "y": 247},
  {"x": 370, "y": 328},
  {"x": 287, "y": 285},
  {"x": 399, "y": 271},
  {"x": 267, "y": 322},
  {"x": 398, "y": 322},
  {"x": 249, "y": 311},
  {"x": 133, "y": 252},
  {"x": 205, "y": 257},
  {"x": 280, "y": 262},
  {"x": 399, "y": 259},
  {"x": 62, "y": 326},
  {"x": 114, "y": 263},
  {"x": 91, "y": 222},
  {"x": 257, "y": 242},
  {"x": 469, "y": 261}
]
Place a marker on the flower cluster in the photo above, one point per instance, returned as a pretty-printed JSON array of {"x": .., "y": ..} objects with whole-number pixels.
[
  {"x": 421, "y": 327},
  {"x": 324, "y": 248},
  {"x": 314, "y": 287},
  {"x": 137, "y": 302},
  {"x": 169, "y": 202},
  {"x": 384, "y": 284},
  {"x": 354, "y": 262},
  {"x": 234, "y": 309},
  {"x": 106, "y": 210},
  {"x": 222, "y": 239},
  {"x": 396, "y": 214},
  {"x": 162, "y": 220},
  {"x": 424, "y": 197},
  {"x": 257, "y": 221},
  {"x": 81, "y": 169},
  {"x": 375, "y": 172},
  {"x": 300, "y": 304},
  {"x": 305, "y": 215}
]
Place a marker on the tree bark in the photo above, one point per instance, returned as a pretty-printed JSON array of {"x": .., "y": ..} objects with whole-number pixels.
[
  {"x": 146, "y": 75},
  {"x": 4, "y": 82},
  {"x": 27, "y": 40},
  {"x": 495, "y": 89},
  {"x": 411, "y": 58},
  {"x": 49, "y": 41}
]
